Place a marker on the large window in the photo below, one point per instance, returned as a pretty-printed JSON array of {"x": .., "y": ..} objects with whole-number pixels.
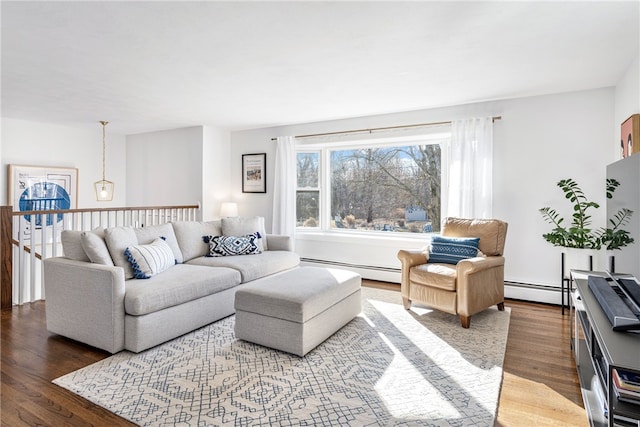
[{"x": 380, "y": 188}]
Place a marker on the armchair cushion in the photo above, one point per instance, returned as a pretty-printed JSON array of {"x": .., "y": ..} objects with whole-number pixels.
[{"x": 442, "y": 276}]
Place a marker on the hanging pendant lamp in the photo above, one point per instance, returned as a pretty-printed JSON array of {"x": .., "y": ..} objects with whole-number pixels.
[{"x": 104, "y": 188}]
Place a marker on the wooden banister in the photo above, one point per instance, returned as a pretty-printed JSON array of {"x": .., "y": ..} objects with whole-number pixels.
[
  {"x": 71, "y": 211},
  {"x": 6, "y": 255},
  {"x": 29, "y": 282}
]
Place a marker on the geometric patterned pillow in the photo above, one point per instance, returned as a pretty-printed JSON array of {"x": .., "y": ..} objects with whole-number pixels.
[
  {"x": 450, "y": 250},
  {"x": 233, "y": 245},
  {"x": 149, "y": 260}
]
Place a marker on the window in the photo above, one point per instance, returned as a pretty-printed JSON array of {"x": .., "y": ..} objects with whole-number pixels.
[
  {"x": 373, "y": 188},
  {"x": 308, "y": 189}
]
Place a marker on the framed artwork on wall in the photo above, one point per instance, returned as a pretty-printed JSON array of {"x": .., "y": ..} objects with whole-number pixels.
[
  {"x": 630, "y": 136},
  {"x": 254, "y": 173},
  {"x": 39, "y": 188}
]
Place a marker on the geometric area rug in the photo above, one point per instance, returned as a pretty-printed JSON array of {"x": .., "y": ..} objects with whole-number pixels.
[{"x": 387, "y": 367}]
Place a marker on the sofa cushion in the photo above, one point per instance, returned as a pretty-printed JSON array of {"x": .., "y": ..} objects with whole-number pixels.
[
  {"x": 146, "y": 235},
  {"x": 450, "y": 250},
  {"x": 149, "y": 260},
  {"x": 233, "y": 245},
  {"x": 118, "y": 239},
  {"x": 242, "y": 226},
  {"x": 179, "y": 284},
  {"x": 72, "y": 245},
  {"x": 253, "y": 267},
  {"x": 189, "y": 236},
  {"x": 96, "y": 248}
]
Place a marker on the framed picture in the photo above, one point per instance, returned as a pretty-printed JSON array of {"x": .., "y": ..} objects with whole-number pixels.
[
  {"x": 254, "y": 173},
  {"x": 630, "y": 136},
  {"x": 38, "y": 188}
]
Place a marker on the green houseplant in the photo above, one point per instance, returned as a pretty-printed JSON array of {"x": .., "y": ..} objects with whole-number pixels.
[{"x": 580, "y": 234}]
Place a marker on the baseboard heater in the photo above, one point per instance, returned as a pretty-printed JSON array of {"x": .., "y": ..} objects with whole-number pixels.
[
  {"x": 548, "y": 288},
  {"x": 348, "y": 265}
]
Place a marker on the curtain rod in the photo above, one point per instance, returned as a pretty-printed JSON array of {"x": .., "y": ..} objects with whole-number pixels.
[{"x": 345, "y": 132}]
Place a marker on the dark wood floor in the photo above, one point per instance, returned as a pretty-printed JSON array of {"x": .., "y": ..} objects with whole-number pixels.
[{"x": 540, "y": 386}]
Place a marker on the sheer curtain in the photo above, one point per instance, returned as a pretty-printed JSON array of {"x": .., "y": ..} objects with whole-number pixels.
[
  {"x": 470, "y": 191},
  {"x": 284, "y": 187}
]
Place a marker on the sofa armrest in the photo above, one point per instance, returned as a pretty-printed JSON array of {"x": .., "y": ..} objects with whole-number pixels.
[
  {"x": 85, "y": 302},
  {"x": 278, "y": 242}
]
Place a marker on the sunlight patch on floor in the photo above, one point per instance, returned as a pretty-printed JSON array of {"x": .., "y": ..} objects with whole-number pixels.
[{"x": 403, "y": 389}]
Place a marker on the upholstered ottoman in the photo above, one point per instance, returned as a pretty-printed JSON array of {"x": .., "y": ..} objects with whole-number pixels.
[{"x": 296, "y": 310}]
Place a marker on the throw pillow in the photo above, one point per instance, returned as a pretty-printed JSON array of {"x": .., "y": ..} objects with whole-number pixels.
[
  {"x": 450, "y": 250},
  {"x": 149, "y": 260},
  {"x": 72, "y": 245},
  {"x": 96, "y": 248},
  {"x": 118, "y": 239},
  {"x": 233, "y": 245},
  {"x": 189, "y": 235},
  {"x": 148, "y": 234},
  {"x": 241, "y": 226}
]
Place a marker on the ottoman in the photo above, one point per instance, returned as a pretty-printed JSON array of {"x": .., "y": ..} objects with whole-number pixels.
[{"x": 296, "y": 310}]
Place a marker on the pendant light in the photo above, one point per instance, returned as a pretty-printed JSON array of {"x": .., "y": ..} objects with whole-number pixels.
[{"x": 104, "y": 188}]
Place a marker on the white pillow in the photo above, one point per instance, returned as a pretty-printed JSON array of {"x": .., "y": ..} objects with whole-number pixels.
[
  {"x": 189, "y": 236},
  {"x": 95, "y": 247},
  {"x": 118, "y": 239},
  {"x": 148, "y": 234},
  {"x": 72, "y": 245},
  {"x": 149, "y": 260},
  {"x": 240, "y": 226}
]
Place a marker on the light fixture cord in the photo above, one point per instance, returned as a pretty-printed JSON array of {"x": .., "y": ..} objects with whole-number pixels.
[{"x": 104, "y": 149}]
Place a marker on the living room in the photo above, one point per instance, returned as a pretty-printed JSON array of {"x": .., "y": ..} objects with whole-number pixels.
[{"x": 568, "y": 127}]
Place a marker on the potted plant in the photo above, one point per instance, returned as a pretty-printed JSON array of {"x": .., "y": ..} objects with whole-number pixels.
[{"x": 580, "y": 233}]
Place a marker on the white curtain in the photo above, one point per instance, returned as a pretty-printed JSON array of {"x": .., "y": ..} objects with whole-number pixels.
[
  {"x": 471, "y": 168},
  {"x": 284, "y": 185}
]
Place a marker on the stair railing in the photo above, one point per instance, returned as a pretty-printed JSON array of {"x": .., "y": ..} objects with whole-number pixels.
[{"x": 28, "y": 238}]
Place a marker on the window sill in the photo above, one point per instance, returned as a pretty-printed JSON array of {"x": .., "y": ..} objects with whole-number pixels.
[{"x": 377, "y": 239}]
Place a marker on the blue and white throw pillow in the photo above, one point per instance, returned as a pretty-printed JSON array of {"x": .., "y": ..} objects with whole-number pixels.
[
  {"x": 450, "y": 250},
  {"x": 233, "y": 245},
  {"x": 149, "y": 260}
]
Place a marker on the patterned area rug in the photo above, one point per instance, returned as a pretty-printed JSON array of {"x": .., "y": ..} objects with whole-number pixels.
[{"x": 388, "y": 367}]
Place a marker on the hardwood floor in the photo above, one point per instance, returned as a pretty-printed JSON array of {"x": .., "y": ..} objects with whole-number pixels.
[{"x": 540, "y": 386}]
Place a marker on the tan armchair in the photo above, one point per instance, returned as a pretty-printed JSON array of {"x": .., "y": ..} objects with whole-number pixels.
[{"x": 470, "y": 286}]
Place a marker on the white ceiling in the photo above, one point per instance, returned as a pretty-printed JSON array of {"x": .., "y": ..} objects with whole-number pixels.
[{"x": 148, "y": 66}]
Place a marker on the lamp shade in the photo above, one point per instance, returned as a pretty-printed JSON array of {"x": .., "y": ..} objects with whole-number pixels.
[
  {"x": 104, "y": 190},
  {"x": 228, "y": 209}
]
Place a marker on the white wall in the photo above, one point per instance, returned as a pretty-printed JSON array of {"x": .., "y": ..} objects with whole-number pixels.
[
  {"x": 46, "y": 144},
  {"x": 216, "y": 168},
  {"x": 539, "y": 141},
  {"x": 627, "y": 100},
  {"x": 165, "y": 168},
  {"x": 179, "y": 166}
]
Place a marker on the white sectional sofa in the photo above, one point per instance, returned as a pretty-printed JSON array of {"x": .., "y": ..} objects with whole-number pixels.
[{"x": 93, "y": 295}]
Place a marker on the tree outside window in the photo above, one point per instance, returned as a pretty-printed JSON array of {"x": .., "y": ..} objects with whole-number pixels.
[{"x": 386, "y": 189}]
